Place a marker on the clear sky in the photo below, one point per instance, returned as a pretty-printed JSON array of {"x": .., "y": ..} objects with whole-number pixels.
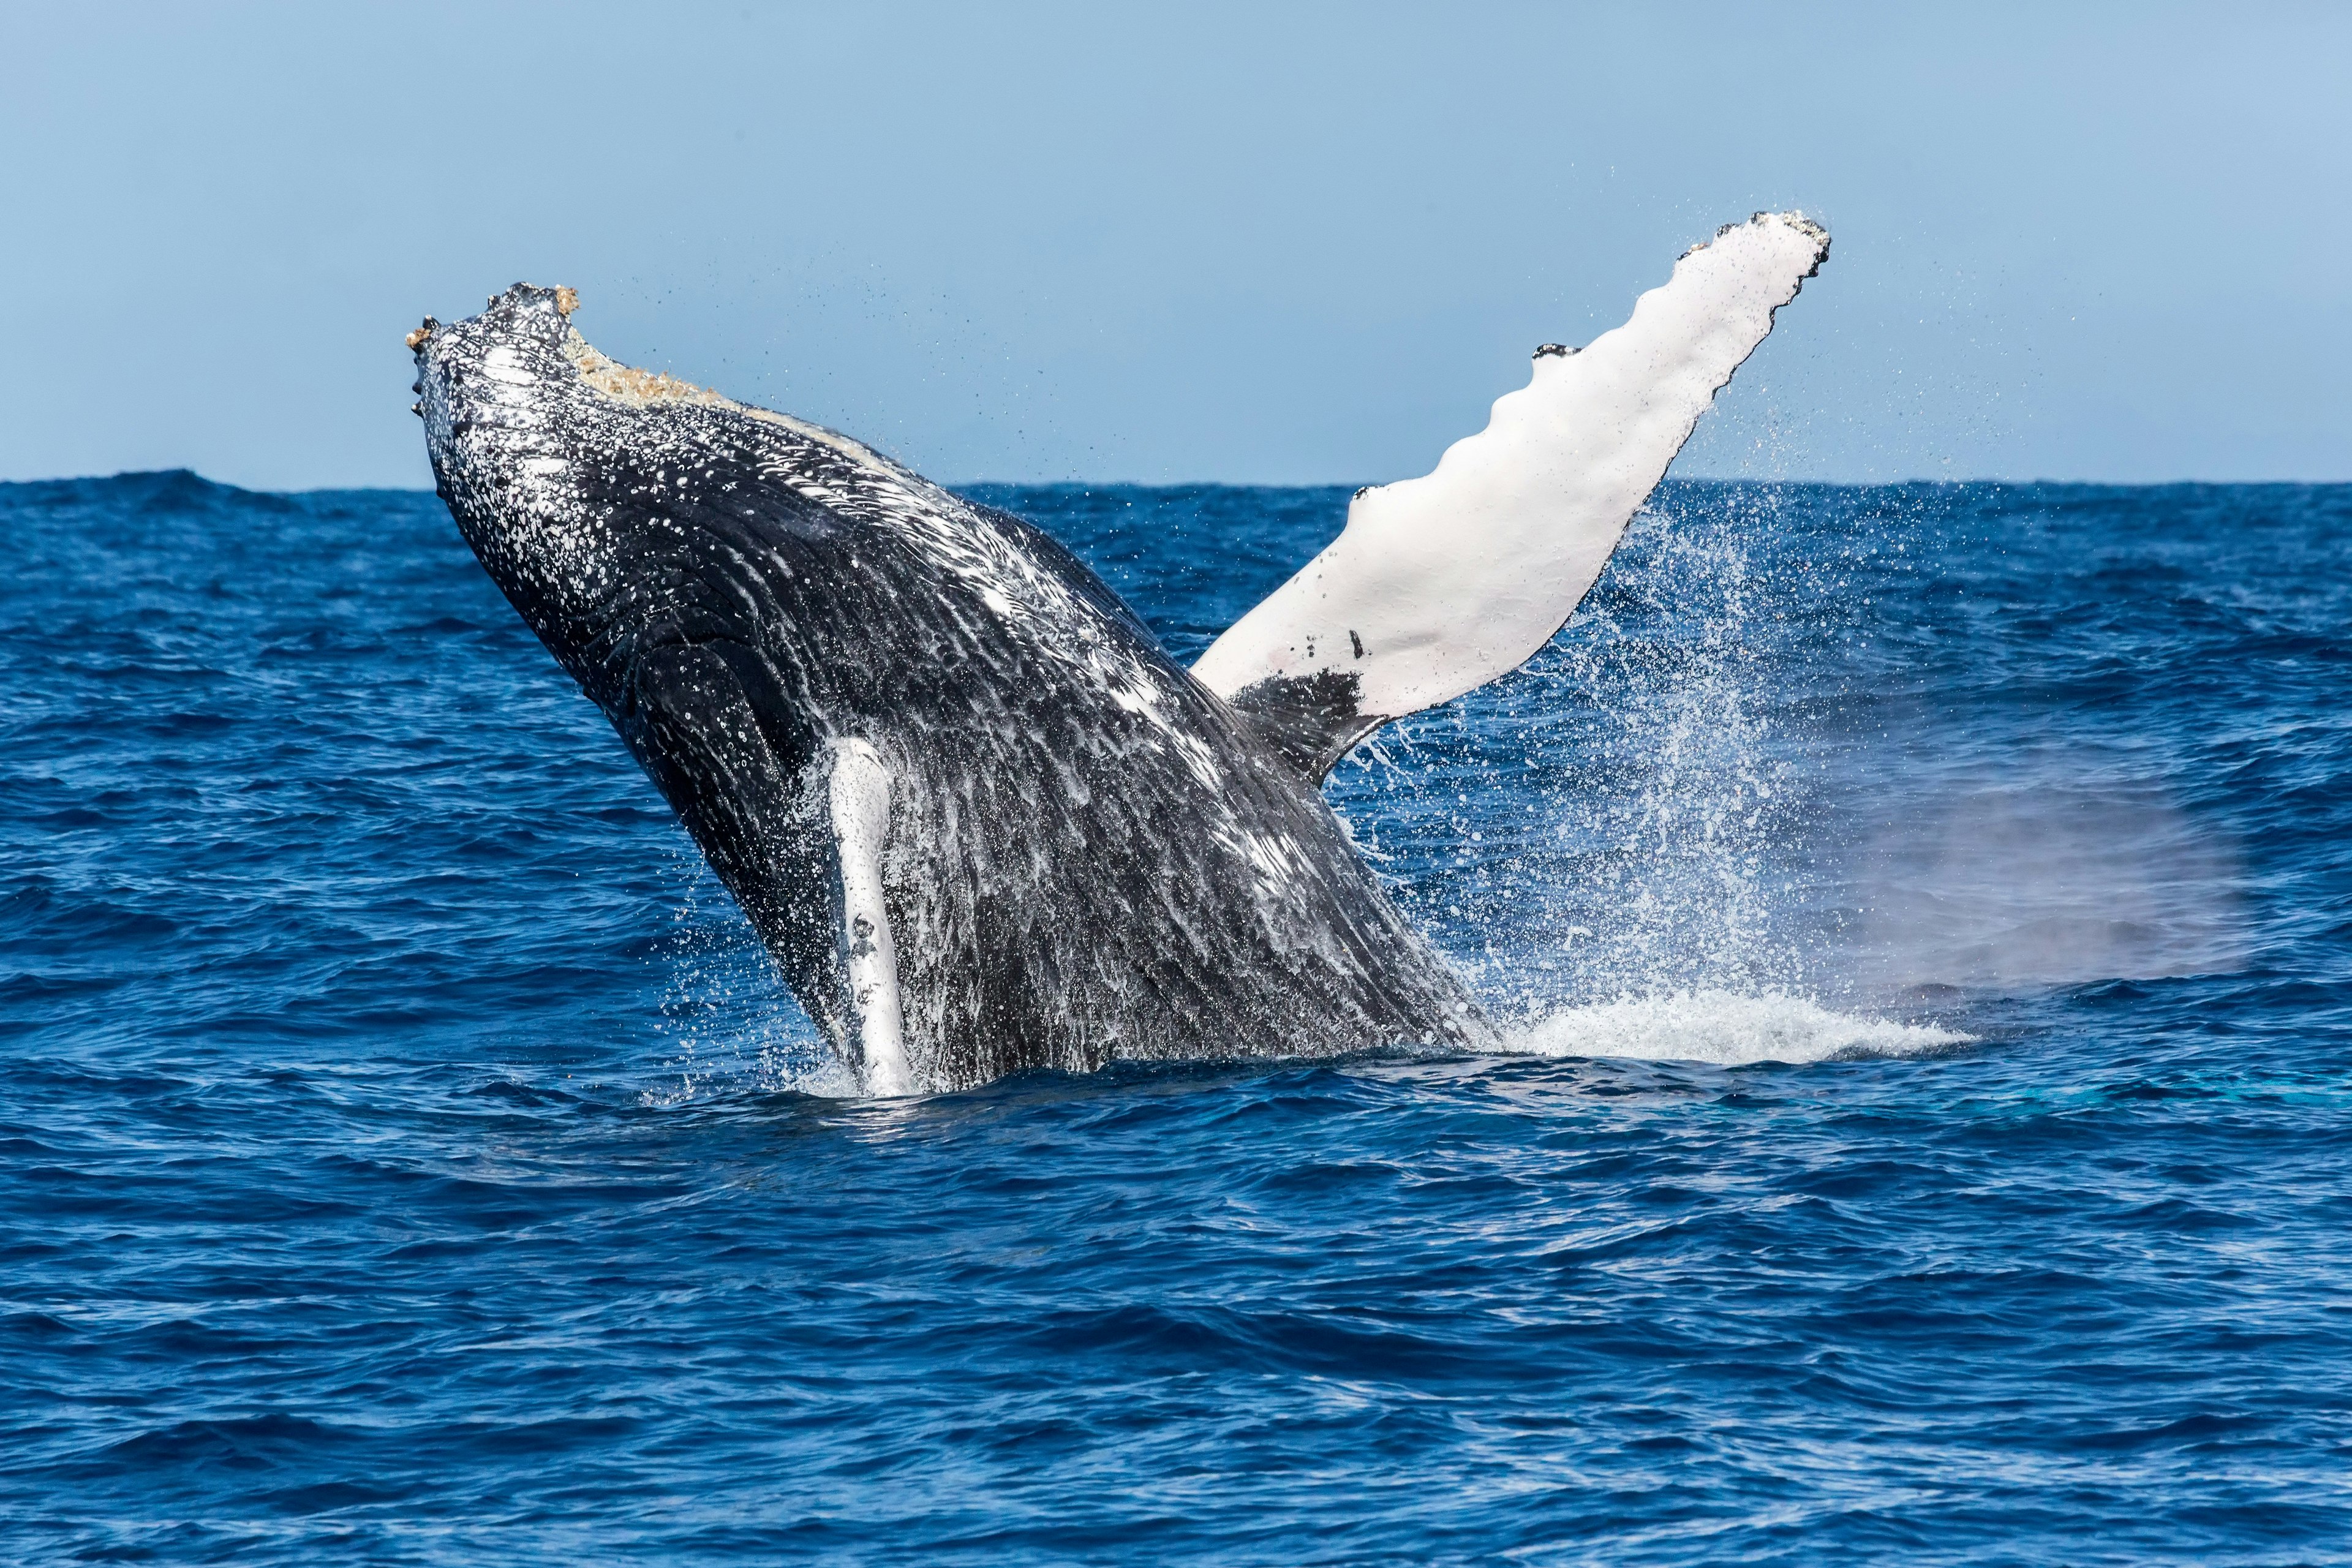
[{"x": 1254, "y": 242}]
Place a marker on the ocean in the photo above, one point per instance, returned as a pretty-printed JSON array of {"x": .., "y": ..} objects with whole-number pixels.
[{"x": 1921, "y": 917}]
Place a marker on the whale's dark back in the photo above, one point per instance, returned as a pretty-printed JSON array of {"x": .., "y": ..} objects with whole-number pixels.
[{"x": 1090, "y": 855}]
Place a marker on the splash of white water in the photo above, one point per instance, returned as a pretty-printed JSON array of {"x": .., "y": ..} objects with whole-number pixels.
[{"x": 1723, "y": 1028}]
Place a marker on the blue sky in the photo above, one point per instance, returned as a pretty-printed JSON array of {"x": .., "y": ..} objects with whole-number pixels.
[{"x": 1258, "y": 242}]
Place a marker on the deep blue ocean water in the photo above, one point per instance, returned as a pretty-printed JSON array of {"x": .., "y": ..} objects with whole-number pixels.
[{"x": 1924, "y": 914}]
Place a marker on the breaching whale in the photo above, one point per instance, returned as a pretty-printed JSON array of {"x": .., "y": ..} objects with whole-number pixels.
[{"x": 980, "y": 819}]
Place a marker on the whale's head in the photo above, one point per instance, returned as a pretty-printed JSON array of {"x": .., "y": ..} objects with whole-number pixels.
[
  {"x": 658, "y": 539},
  {"x": 621, "y": 512}
]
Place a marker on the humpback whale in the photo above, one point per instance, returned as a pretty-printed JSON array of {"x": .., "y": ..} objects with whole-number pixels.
[{"x": 980, "y": 820}]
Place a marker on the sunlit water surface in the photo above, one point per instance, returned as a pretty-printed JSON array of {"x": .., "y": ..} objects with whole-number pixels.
[{"x": 1920, "y": 916}]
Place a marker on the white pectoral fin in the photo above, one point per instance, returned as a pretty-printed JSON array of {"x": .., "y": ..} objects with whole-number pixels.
[
  {"x": 1441, "y": 584},
  {"x": 860, "y": 799}
]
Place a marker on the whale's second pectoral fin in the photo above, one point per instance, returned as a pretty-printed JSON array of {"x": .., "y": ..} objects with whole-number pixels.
[
  {"x": 859, "y": 796},
  {"x": 1441, "y": 584},
  {"x": 804, "y": 862}
]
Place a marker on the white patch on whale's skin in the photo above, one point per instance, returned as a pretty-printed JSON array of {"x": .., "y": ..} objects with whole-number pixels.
[
  {"x": 1441, "y": 584},
  {"x": 506, "y": 365},
  {"x": 859, "y": 796}
]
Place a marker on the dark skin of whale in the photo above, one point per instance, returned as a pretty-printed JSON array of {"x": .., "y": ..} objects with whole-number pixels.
[{"x": 1089, "y": 855}]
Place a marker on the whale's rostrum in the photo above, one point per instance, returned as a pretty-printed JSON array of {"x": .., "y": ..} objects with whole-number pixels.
[{"x": 979, "y": 817}]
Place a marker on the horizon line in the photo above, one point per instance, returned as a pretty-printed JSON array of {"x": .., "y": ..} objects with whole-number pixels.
[{"x": 963, "y": 485}]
